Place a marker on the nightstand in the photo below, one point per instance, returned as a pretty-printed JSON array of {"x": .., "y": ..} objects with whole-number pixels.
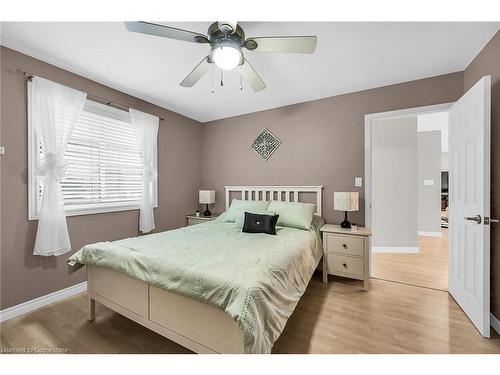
[
  {"x": 345, "y": 253},
  {"x": 193, "y": 219}
]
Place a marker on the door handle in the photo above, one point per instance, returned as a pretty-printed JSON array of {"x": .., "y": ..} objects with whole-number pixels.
[{"x": 476, "y": 218}]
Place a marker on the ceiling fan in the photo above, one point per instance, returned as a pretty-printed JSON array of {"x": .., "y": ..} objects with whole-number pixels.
[{"x": 227, "y": 40}]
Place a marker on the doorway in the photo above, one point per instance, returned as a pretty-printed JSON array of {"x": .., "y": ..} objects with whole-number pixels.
[
  {"x": 407, "y": 193},
  {"x": 469, "y": 196}
]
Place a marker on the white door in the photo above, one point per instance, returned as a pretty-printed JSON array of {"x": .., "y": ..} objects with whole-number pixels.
[{"x": 469, "y": 230}]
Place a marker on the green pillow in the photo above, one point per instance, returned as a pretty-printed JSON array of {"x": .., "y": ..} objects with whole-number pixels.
[
  {"x": 241, "y": 216},
  {"x": 238, "y": 206},
  {"x": 293, "y": 214}
]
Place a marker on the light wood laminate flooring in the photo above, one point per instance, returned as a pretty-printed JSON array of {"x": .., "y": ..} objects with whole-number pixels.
[
  {"x": 337, "y": 317},
  {"x": 428, "y": 268}
]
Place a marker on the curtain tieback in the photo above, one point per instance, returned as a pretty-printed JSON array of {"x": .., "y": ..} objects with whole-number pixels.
[{"x": 53, "y": 167}]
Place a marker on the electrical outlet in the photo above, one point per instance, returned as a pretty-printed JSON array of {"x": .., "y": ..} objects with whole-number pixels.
[{"x": 358, "y": 181}]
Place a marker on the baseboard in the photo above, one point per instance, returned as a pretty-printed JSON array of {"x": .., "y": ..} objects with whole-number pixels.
[
  {"x": 23, "y": 308},
  {"x": 495, "y": 323},
  {"x": 429, "y": 234},
  {"x": 393, "y": 249}
]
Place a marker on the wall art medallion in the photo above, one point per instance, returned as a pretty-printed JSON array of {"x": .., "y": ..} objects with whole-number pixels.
[{"x": 265, "y": 144}]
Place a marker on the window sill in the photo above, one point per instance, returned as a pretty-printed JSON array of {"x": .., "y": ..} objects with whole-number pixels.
[{"x": 97, "y": 210}]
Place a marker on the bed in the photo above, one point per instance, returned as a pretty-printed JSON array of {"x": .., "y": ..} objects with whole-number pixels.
[{"x": 209, "y": 287}]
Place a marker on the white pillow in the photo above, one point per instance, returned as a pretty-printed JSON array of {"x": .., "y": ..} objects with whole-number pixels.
[{"x": 293, "y": 214}]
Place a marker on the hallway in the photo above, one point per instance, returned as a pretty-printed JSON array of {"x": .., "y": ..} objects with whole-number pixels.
[{"x": 428, "y": 268}]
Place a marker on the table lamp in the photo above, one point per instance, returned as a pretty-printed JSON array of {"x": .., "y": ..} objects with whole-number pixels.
[
  {"x": 346, "y": 201},
  {"x": 207, "y": 197}
]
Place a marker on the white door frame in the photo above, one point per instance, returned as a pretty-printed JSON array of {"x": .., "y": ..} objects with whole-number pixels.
[{"x": 368, "y": 151}]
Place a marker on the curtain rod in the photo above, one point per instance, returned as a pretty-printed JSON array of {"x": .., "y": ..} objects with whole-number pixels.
[{"x": 94, "y": 98}]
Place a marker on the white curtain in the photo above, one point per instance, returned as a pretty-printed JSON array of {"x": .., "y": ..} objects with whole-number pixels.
[
  {"x": 146, "y": 128},
  {"x": 53, "y": 110}
]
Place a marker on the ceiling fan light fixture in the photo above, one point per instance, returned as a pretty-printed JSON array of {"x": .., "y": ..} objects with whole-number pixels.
[{"x": 227, "y": 57}]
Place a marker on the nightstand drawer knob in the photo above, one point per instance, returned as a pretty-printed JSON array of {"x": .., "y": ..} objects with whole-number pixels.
[
  {"x": 345, "y": 265},
  {"x": 344, "y": 246}
]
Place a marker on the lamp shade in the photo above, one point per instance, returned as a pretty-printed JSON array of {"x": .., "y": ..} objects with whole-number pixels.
[
  {"x": 346, "y": 201},
  {"x": 207, "y": 196}
]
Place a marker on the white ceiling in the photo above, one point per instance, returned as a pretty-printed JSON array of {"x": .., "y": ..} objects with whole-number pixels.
[{"x": 349, "y": 57}]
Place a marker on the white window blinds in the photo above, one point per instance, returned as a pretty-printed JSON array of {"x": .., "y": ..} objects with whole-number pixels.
[{"x": 104, "y": 166}]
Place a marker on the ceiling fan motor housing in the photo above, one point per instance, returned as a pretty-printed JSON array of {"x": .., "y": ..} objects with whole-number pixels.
[
  {"x": 215, "y": 34},
  {"x": 227, "y": 27}
]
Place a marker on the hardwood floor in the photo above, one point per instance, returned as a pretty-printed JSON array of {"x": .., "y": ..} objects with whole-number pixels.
[
  {"x": 337, "y": 317},
  {"x": 428, "y": 268}
]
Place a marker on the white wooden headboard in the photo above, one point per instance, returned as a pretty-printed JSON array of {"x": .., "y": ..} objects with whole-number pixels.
[{"x": 278, "y": 193}]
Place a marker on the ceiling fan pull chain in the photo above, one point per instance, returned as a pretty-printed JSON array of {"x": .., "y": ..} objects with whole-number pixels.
[
  {"x": 212, "y": 68},
  {"x": 222, "y": 77},
  {"x": 241, "y": 78}
]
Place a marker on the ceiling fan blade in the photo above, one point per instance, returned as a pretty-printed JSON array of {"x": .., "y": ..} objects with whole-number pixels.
[
  {"x": 251, "y": 77},
  {"x": 196, "y": 74},
  {"x": 165, "y": 31},
  {"x": 283, "y": 44}
]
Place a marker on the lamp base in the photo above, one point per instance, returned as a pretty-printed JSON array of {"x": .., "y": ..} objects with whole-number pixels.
[
  {"x": 346, "y": 224},
  {"x": 208, "y": 213}
]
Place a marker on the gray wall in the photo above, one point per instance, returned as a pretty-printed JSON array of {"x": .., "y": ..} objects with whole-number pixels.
[
  {"x": 394, "y": 182},
  {"x": 24, "y": 276},
  {"x": 445, "y": 161},
  {"x": 323, "y": 140},
  {"x": 487, "y": 62},
  {"x": 429, "y": 167}
]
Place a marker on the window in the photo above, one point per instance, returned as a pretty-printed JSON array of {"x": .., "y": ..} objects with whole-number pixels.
[{"x": 104, "y": 168}]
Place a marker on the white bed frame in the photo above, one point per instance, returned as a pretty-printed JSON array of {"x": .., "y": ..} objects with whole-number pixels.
[{"x": 192, "y": 324}]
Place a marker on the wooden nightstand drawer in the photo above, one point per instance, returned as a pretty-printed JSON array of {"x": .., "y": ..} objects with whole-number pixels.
[
  {"x": 345, "y": 264},
  {"x": 344, "y": 244}
]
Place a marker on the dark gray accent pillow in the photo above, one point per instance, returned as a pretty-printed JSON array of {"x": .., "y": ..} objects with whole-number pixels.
[{"x": 258, "y": 223}]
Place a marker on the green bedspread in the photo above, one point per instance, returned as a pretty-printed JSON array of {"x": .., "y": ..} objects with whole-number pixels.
[{"x": 255, "y": 278}]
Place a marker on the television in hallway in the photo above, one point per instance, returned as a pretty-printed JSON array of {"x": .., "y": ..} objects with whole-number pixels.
[{"x": 444, "y": 182}]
